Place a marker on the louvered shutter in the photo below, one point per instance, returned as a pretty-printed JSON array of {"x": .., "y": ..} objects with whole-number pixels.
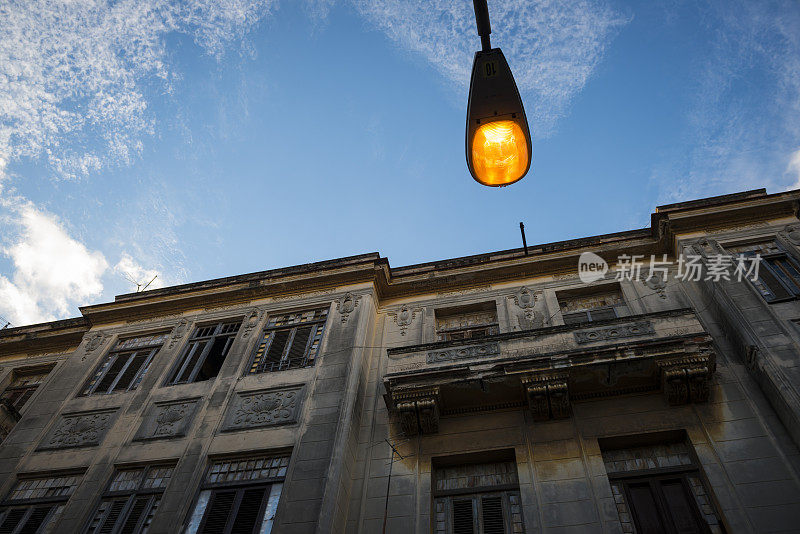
[
  {"x": 138, "y": 509},
  {"x": 298, "y": 349},
  {"x": 463, "y": 522},
  {"x": 275, "y": 352},
  {"x": 36, "y": 519},
  {"x": 249, "y": 513},
  {"x": 11, "y": 520},
  {"x": 113, "y": 515},
  {"x": 218, "y": 511},
  {"x": 492, "y": 515}
]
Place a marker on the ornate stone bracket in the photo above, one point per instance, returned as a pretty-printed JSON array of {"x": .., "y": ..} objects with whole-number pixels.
[
  {"x": 346, "y": 305},
  {"x": 547, "y": 395},
  {"x": 686, "y": 379},
  {"x": 418, "y": 410}
]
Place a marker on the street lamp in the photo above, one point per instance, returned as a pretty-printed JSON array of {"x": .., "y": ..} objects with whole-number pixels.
[{"x": 498, "y": 138}]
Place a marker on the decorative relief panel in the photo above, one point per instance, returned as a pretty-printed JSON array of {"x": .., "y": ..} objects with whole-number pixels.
[
  {"x": 250, "y": 322},
  {"x": 525, "y": 300},
  {"x": 255, "y": 409},
  {"x": 610, "y": 333},
  {"x": 464, "y": 353},
  {"x": 167, "y": 420},
  {"x": 346, "y": 305},
  {"x": 85, "y": 429},
  {"x": 177, "y": 332},
  {"x": 404, "y": 317},
  {"x": 94, "y": 341}
]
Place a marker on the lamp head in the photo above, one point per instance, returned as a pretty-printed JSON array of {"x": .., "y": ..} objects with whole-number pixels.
[{"x": 498, "y": 141}]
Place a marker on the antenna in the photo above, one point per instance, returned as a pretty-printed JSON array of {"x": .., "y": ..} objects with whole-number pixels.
[
  {"x": 4, "y": 320},
  {"x": 139, "y": 286}
]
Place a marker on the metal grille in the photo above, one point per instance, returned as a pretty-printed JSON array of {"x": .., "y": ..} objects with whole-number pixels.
[
  {"x": 289, "y": 342},
  {"x": 247, "y": 469},
  {"x": 37, "y": 488}
]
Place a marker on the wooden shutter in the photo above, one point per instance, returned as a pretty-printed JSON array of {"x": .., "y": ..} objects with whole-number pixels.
[
  {"x": 138, "y": 510},
  {"x": 680, "y": 507},
  {"x": 463, "y": 517},
  {"x": 645, "y": 509},
  {"x": 36, "y": 519},
  {"x": 492, "y": 515},
  {"x": 219, "y": 509},
  {"x": 298, "y": 349},
  {"x": 116, "y": 508},
  {"x": 12, "y": 519},
  {"x": 249, "y": 512},
  {"x": 275, "y": 351}
]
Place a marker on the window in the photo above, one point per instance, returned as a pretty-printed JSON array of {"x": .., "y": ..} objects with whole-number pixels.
[
  {"x": 23, "y": 385},
  {"x": 658, "y": 488},
  {"x": 130, "y": 501},
  {"x": 467, "y": 322},
  {"x": 289, "y": 341},
  {"x": 596, "y": 306},
  {"x": 239, "y": 496},
  {"x": 778, "y": 273},
  {"x": 125, "y": 365},
  {"x": 477, "y": 498},
  {"x": 35, "y": 503},
  {"x": 204, "y": 355}
]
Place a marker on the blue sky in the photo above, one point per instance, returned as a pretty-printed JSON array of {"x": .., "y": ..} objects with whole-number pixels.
[{"x": 202, "y": 139}]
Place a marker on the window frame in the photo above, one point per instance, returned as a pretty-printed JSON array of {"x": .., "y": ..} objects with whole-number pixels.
[
  {"x": 56, "y": 503},
  {"x": 19, "y": 372},
  {"x": 188, "y": 352},
  {"x": 318, "y": 329},
  {"x": 99, "y": 373},
  {"x": 130, "y": 497},
  {"x": 236, "y": 485}
]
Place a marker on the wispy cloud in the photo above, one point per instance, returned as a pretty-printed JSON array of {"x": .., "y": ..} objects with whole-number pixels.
[
  {"x": 553, "y": 46},
  {"x": 73, "y": 74},
  {"x": 735, "y": 140}
]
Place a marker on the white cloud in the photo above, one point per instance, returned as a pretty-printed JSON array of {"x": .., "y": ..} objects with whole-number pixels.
[
  {"x": 73, "y": 73},
  {"x": 137, "y": 275},
  {"x": 52, "y": 272},
  {"x": 552, "y": 46}
]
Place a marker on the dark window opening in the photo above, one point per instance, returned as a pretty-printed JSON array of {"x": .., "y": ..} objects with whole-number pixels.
[
  {"x": 22, "y": 387},
  {"x": 204, "y": 355},
  {"x": 125, "y": 365}
]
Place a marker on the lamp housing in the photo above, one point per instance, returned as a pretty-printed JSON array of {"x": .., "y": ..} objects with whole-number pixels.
[{"x": 498, "y": 140}]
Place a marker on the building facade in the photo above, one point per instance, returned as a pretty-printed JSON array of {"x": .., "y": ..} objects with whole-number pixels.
[{"x": 496, "y": 393}]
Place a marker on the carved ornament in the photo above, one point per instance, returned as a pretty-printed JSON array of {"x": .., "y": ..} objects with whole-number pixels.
[
  {"x": 686, "y": 379},
  {"x": 263, "y": 408},
  {"x": 547, "y": 395},
  {"x": 418, "y": 410},
  {"x": 79, "y": 430},
  {"x": 464, "y": 353},
  {"x": 610, "y": 333}
]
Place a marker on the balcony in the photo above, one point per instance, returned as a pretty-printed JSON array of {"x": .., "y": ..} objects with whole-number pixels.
[{"x": 545, "y": 369}]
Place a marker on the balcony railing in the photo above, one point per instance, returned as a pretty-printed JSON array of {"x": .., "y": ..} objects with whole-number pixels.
[{"x": 547, "y": 367}]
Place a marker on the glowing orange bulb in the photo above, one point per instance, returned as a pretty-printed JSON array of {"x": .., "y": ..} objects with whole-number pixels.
[{"x": 499, "y": 153}]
